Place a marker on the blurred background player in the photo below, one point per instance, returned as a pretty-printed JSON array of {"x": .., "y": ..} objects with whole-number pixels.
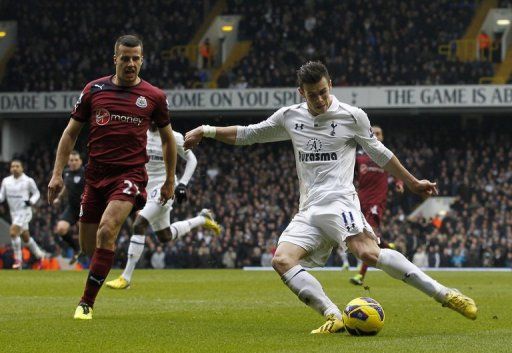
[
  {"x": 372, "y": 190},
  {"x": 74, "y": 182},
  {"x": 21, "y": 194},
  {"x": 157, "y": 215},
  {"x": 118, "y": 109}
]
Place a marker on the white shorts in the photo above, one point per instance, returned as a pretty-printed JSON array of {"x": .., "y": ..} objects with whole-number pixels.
[
  {"x": 22, "y": 218},
  {"x": 158, "y": 216},
  {"x": 319, "y": 229}
]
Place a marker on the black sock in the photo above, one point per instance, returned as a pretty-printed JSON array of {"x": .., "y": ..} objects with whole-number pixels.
[{"x": 68, "y": 238}]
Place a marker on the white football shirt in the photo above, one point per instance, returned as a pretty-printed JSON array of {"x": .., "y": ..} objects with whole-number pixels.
[
  {"x": 324, "y": 146},
  {"x": 156, "y": 166},
  {"x": 18, "y": 190}
]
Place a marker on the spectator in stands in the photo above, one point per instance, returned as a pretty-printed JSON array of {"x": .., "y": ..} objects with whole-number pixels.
[
  {"x": 420, "y": 258},
  {"x": 206, "y": 52}
]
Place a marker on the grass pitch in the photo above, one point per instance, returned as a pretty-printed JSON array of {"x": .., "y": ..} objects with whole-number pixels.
[{"x": 239, "y": 311}]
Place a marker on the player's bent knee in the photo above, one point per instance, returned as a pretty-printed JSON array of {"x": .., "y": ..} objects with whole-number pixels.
[
  {"x": 164, "y": 235},
  {"x": 282, "y": 263},
  {"x": 369, "y": 256},
  {"x": 140, "y": 225}
]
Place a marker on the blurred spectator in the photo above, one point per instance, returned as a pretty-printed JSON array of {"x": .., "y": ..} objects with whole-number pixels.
[
  {"x": 158, "y": 258},
  {"x": 229, "y": 258},
  {"x": 420, "y": 258}
]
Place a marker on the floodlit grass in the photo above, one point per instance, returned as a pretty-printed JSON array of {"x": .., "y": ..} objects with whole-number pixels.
[{"x": 239, "y": 311}]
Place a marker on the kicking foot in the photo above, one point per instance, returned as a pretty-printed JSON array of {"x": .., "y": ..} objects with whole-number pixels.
[
  {"x": 462, "y": 304},
  {"x": 332, "y": 325}
]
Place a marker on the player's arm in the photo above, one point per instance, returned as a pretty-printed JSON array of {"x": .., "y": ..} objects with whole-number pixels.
[
  {"x": 386, "y": 159},
  {"x": 66, "y": 144},
  {"x": 191, "y": 163},
  {"x": 34, "y": 191},
  {"x": 2, "y": 192},
  {"x": 62, "y": 195},
  {"x": 269, "y": 130},
  {"x": 169, "y": 154}
]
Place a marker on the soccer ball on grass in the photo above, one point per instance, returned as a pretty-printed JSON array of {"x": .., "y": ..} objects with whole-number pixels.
[{"x": 363, "y": 317}]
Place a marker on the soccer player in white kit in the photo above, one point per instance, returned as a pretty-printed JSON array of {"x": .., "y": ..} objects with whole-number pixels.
[
  {"x": 154, "y": 213},
  {"x": 21, "y": 194},
  {"x": 325, "y": 133}
]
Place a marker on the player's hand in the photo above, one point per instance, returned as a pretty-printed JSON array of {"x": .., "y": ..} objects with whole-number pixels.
[
  {"x": 180, "y": 193},
  {"x": 399, "y": 188},
  {"x": 193, "y": 137},
  {"x": 27, "y": 203},
  {"x": 424, "y": 188},
  {"x": 166, "y": 191},
  {"x": 54, "y": 188}
]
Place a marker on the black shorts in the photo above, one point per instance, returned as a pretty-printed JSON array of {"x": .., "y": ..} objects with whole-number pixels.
[{"x": 70, "y": 214}]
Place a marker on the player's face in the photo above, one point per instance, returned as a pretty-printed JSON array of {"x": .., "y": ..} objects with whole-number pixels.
[
  {"x": 128, "y": 62},
  {"x": 377, "y": 131},
  {"x": 16, "y": 169},
  {"x": 74, "y": 162},
  {"x": 317, "y": 96}
]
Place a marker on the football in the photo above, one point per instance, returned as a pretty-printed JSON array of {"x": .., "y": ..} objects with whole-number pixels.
[{"x": 363, "y": 317}]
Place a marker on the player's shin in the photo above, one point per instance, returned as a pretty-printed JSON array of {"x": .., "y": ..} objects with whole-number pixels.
[
  {"x": 34, "y": 248},
  {"x": 16, "y": 248},
  {"x": 134, "y": 253},
  {"x": 101, "y": 263},
  {"x": 397, "y": 266},
  {"x": 181, "y": 228},
  {"x": 309, "y": 291}
]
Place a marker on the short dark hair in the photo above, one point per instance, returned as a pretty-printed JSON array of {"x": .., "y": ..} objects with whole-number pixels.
[
  {"x": 16, "y": 160},
  {"x": 75, "y": 153},
  {"x": 312, "y": 72},
  {"x": 128, "y": 40}
]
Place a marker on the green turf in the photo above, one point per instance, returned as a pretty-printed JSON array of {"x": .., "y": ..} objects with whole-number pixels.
[{"x": 238, "y": 311}]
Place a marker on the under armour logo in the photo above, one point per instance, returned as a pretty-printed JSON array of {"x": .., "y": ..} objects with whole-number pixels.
[
  {"x": 96, "y": 280},
  {"x": 333, "y": 126},
  {"x": 99, "y": 86},
  {"x": 299, "y": 126}
]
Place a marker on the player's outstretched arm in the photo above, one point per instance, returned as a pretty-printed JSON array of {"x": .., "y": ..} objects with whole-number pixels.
[
  {"x": 222, "y": 134},
  {"x": 170, "y": 155},
  {"x": 66, "y": 144},
  {"x": 424, "y": 188}
]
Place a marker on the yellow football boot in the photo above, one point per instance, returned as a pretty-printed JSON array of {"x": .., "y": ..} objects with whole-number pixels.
[
  {"x": 332, "y": 325},
  {"x": 462, "y": 304},
  {"x": 210, "y": 221},
  {"x": 83, "y": 312},
  {"x": 118, "y": 283}
]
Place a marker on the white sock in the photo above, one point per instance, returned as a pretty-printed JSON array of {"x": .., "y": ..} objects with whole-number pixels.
[
  {"x": 196, "y": 221},
  {"x": 34, "y": 248},
  {"x": 344, "y": 258},
  {"x": 134, "y": 252},
  {"x": 397, "y": 266},
  {"x": 309, "y": 291},
  {"x": 179, "y": 229},
  {"x": 16, "y": 248}
]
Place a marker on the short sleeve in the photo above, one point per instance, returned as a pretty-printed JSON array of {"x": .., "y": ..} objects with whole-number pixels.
[
  {"x": 364, "y": 136},
  {"x": 82, "y": 109},
  {"x": 161, "y": 114}
]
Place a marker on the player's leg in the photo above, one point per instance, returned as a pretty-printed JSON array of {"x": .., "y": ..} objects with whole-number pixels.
[
  {"x": 204, "y": 218},
  {"x": 365, "y": 247},
  {"x": 14, "y": 232},
  {"x": 372, "y": 215},
  {"x": 63, "y": 231},
  {"x": 286, "y": 263},
  {"x": 29, "y": 242},
  {"x": 135, "y": 250}
]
